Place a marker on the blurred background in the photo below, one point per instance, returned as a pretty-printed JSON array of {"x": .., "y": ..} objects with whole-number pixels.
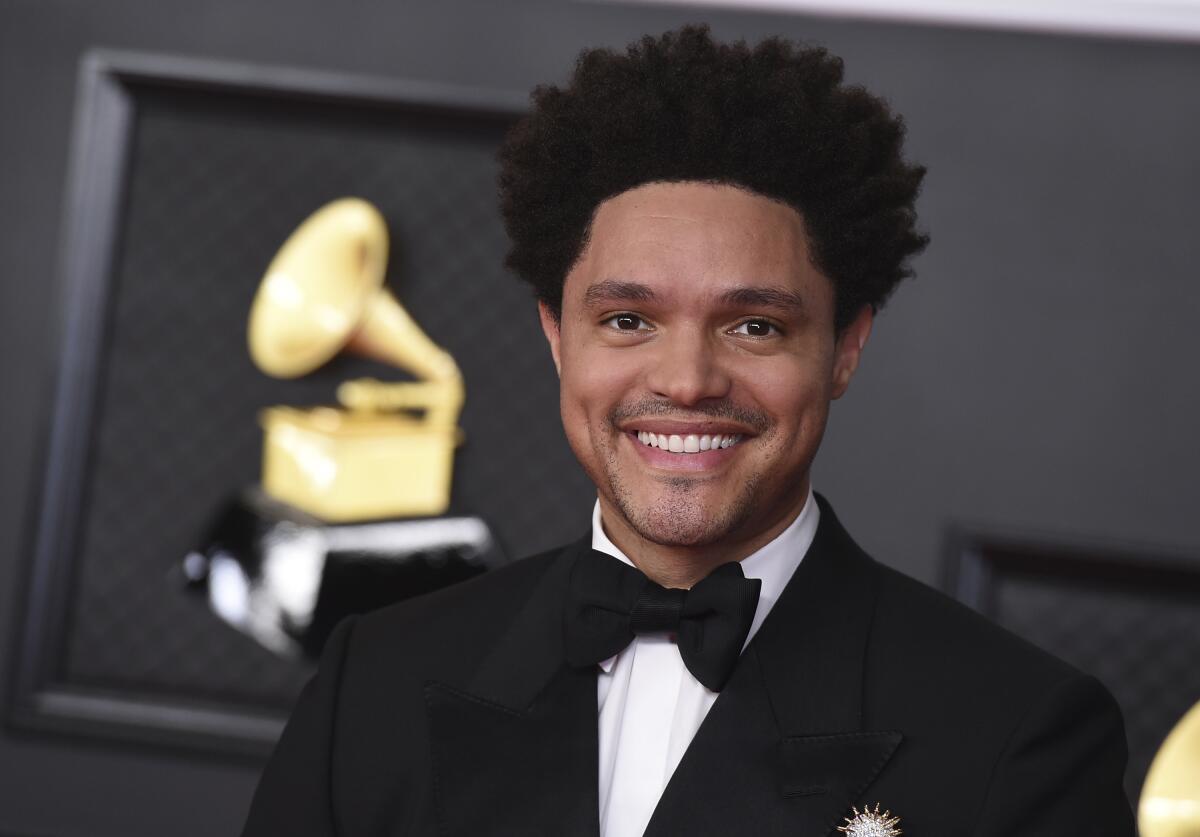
[{"x": 1022, "y": 433}]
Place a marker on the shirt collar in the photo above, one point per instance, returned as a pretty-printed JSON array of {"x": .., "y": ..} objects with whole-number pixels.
[{"x": 773, "y": 564}]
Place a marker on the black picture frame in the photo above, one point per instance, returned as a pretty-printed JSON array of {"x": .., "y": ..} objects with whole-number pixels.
[
  {"x": 977, "y": 562},
  {"x": 110, "y": 82}
]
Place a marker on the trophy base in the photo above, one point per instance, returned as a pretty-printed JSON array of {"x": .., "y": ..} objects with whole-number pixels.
[
  {"x": 286, "y": 578},
  {"x": 346, "y": 466}
]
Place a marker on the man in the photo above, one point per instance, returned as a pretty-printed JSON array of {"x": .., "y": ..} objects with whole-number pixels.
[{"x": 709, "y": 231}]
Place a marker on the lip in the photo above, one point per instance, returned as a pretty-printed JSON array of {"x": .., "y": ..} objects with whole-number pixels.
[{"x": 707, "y": 460}]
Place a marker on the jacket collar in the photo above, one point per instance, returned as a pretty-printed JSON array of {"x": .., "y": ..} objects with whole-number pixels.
[
  {"x": 812, "y": 646},
  {"x": 782, "y": 751},
  {"x": 515, "y": 750},
  {"x": 531, "y": 652}
]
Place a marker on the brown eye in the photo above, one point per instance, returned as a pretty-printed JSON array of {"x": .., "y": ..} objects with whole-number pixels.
[
  {"x": 756, "y": 328},
  {"x": 625, "y": 322}
]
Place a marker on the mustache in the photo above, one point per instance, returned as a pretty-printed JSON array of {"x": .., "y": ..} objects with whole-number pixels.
[{"x": 658, "y": 408}]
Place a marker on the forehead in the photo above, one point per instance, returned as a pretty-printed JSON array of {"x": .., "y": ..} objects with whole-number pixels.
[{"x": 696, "y": 237}]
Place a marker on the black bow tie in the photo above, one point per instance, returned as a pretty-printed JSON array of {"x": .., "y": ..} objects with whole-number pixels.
[{"x": 609, "y": 602}]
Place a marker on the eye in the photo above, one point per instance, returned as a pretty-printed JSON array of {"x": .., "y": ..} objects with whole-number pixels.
[
  {"x": 626, "y": 322},
  {"x": 757, "y": 328}
]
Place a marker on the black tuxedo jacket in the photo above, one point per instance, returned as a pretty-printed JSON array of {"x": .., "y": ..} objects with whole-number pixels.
[{"x": 455, "y": 714}]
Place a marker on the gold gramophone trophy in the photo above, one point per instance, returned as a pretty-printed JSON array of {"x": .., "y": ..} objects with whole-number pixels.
[
  {"x": 347, "y": 515},
  {"x": 389, "y": 451}
]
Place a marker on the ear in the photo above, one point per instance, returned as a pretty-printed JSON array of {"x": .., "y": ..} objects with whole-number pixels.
[
  {"x": 849, "y": 349},
  {"x": 551, "y": 328}
]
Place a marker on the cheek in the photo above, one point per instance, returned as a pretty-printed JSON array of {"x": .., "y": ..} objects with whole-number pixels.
[
  {"x": 791, "y": 395},
  {"x": 590, "y": 386}
]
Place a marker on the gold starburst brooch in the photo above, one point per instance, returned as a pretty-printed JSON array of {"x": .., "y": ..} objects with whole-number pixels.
[{"x": 871, "y": 823}]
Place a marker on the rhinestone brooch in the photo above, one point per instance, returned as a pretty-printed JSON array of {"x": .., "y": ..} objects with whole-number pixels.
[{"x": 870, "y": 823}]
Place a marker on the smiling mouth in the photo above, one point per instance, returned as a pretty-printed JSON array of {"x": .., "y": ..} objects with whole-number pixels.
[{"x": 691, "y": 443}]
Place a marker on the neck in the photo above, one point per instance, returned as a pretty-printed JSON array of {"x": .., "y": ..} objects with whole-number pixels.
[{"x": 672, "y": 565}]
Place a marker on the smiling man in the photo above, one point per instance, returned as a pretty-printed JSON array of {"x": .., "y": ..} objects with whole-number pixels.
[
  {"x": 709, "y": 230},
  {"x": 698, "y": 356}
]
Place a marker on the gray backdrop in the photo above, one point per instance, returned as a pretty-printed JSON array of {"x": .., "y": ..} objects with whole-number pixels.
[{"x": 1036, "y": 378}]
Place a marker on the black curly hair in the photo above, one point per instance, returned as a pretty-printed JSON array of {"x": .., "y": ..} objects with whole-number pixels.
[{"x": 774, "y": 118}]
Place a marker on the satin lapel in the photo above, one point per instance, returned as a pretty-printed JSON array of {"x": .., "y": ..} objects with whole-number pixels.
[
  {"x": 782, "y": 751},
  {"x": 515, "y": 750}
]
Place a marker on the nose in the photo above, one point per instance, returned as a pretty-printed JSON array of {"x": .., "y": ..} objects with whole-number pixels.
[{"x": 687, "y": 368}]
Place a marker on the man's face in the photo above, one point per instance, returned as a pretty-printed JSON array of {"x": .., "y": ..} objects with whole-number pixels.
[{"x": 695, "y": 318}]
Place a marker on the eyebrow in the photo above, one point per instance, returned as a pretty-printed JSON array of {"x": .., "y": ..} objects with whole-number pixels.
[
  {"x": 768, "y": 297},
  {"x": 614, "y": 290}
]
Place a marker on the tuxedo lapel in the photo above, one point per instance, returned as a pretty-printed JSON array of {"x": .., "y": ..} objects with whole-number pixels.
[
  {"x": 782, "y": 751},
  {"x": 515, "y": 749}
]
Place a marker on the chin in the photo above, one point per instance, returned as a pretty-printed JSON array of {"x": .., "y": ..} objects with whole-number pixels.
[{"x": 678, "y": 521}]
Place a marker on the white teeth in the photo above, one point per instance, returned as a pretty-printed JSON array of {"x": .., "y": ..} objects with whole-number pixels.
[{"x": 691, "y": 443}]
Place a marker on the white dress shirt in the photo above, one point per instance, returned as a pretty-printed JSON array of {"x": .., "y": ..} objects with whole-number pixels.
[{"x": 651, "y": 705}]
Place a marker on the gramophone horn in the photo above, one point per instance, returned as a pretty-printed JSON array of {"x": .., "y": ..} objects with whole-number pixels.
[{"x": 324, "y": 291}]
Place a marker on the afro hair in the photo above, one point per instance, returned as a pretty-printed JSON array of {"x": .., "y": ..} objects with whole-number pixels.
[{"x": 775, "y": 119}]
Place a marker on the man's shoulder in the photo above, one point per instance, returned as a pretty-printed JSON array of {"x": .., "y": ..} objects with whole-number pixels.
[
  {"x": 1007, "y": 715},
  {"x": 911, "y": 612},
  {"x": 937, "y": 659},
  {"x": 923, "y": 638},
  {"x": 455, "y": 617}
]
